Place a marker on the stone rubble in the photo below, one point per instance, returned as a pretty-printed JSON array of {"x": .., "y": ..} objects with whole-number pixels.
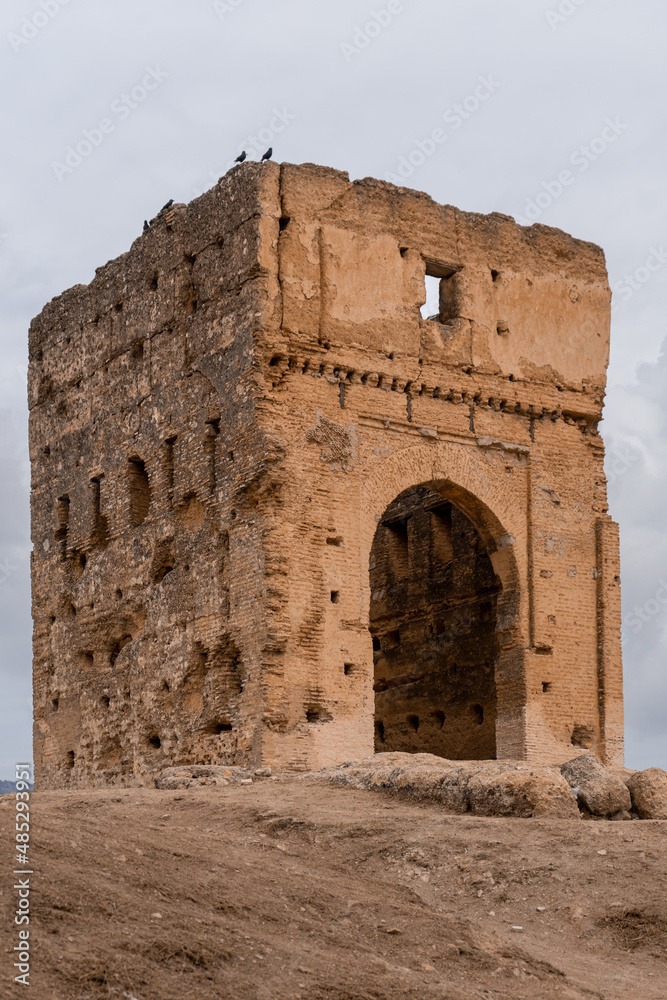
[
  {"x": 649, "y": 793},
  {"x": 583, "y": 788},
  {"x": 485, "y": 788},
  {"x": 173, "y": 778},
  {"x": 599, "y": 791}
]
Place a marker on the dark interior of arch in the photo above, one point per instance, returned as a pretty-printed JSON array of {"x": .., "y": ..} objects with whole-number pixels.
[{"x": 433, "y": 621}]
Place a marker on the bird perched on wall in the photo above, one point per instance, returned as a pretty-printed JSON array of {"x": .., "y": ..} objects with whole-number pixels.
[
  {"x": 168, "y": 205},
  {"x": 268, "y": 154},
  {"x": 146, "y": 226},
  {"x": 241, "y": 158}
]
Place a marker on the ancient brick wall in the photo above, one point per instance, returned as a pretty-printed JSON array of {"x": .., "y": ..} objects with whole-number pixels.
[
  {"x": 142, "y": 428},
  {"x": 220, "y": 424}
]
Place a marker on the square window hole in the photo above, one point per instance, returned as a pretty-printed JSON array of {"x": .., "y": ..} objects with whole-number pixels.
[
  {"x": 431, "y": 308},
  {"x": 438, "y": 293},
  {"x": 315, "y": 714},
  {"x": 348, "y": 668},
  {"x": 335, "y": 596}
]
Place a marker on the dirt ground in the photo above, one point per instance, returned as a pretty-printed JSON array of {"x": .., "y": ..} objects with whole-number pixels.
[{"x": 290, "y": 888}]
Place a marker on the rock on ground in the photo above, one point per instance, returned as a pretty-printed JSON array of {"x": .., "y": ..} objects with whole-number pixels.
[
  {"x": 599, "y": 790},
  {"x": 190, "y": 776},
  {"x": 648, "y": 790},
  {"x": 485, "y": 788}
]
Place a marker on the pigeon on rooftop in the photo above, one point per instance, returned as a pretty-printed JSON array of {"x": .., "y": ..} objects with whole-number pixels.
[
  {"x": 146, "y": 226},
  {"x": 268, "y": 154},
  {"x": 241, "y": 158},
  {"x": 168, "y": 205}
]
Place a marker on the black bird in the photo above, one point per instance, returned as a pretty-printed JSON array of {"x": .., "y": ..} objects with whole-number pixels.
[
  {"x": 268, "y": 154},
  {"x": 241, "y": 158},
  {"x": 168, "y": 205},
  {"x": 146, "y": 226}
]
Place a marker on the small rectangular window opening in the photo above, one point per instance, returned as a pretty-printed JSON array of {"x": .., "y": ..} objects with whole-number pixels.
[
  {"x": 392, "y": 639},
  {"x": 442, "y": 550},
  {"x": 436, "y": 287},
  {"x": 431, "y": 308},
  {"x": 100, "y": 523},
  {"x": 139, "y": 490},
  {"x": 397, "y": 548}
]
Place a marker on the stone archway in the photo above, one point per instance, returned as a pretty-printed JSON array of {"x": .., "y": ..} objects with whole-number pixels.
[
  {"x": 433, "y": 619},
  {"x": 468, "y": 482}
]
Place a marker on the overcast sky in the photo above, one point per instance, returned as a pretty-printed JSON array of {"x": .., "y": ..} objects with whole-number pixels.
[{"x": 562, "y": 85}]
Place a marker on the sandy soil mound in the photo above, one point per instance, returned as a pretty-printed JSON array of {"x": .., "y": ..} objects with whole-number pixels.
[{"x": 295, "y": 888}]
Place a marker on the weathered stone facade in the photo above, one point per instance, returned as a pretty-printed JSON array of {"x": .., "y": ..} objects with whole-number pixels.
[{"x": 278, "y": 515}]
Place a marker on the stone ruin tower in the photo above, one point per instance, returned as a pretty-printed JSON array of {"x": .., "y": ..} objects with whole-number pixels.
[{"x": 281, "y": 519}]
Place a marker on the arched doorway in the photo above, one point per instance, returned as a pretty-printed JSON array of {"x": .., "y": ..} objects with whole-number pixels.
[{"x": 433, "y": 619}]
